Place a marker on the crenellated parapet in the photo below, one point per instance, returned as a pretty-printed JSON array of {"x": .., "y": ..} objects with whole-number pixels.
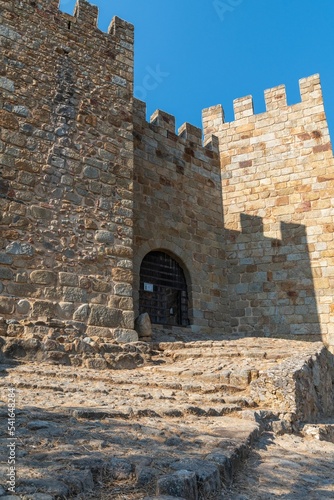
[
  {"x": 275, "y": 102},
  {"x": 85, "y": 18},
  {"x": 165, "y": 125},
  {"x": 265, "y": 157}
]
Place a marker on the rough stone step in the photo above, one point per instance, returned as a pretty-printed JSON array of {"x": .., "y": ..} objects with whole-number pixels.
[
  {"x": 156, "y": 412},
  {"x": 245, "y": 374},
  {"x": 221, "y": 355},
  {"x": 135, "y": 456},
  {"x": 230, "y": 383},
  {"x": 118, "y": 404},
  {"x": 137, "y": 385},
  {"x": 248, "y": 346}
]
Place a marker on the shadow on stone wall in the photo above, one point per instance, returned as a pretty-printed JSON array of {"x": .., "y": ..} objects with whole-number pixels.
[{"x": 270, "y": 282}]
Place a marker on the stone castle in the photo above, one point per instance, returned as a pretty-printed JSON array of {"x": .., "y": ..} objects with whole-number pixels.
[{"x": 105, "y": 215}]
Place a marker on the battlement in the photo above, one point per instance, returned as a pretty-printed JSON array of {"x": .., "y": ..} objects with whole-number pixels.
[
  {"x": 85, "y": 16},
  {"x": 86, "y": 13},
  {"x": 166, "y": 124},
  {"x": 164, "y": 121},
  {"x": 243, "y": 107},
  {"x": 275, "y": 100},
  {"x": 190, "y": 133}
]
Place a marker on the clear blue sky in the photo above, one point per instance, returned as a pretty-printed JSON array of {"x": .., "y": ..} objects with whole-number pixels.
[{"x": 209, "y": 52}]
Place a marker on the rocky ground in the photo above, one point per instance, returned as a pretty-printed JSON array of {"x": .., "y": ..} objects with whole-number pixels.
[
  {"x": 191, "y": 406},
  {"x": 287, "y": 467}
]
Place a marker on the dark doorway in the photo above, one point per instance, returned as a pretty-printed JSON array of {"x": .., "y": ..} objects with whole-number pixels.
[{"x": 163, "y": 290}]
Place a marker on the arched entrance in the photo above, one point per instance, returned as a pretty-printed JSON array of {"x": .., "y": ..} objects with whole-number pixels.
[{"x": 163, "y": 290}]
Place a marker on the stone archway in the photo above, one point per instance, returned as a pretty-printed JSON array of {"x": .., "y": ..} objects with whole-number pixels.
[
  {"x": 163, "y": 292},
  {"x": 176, "y": 253}
]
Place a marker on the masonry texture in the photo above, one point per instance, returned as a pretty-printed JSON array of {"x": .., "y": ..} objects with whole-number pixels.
[
  {"x": 277, "y": 188},
  {"x": 89, "y": 187},
  {"x": 67, "y": 166}
]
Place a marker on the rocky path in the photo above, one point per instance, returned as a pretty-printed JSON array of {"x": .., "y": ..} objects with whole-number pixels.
[
  {"x": 289, "y": 467},
  {"x": 131, "y": 434}
]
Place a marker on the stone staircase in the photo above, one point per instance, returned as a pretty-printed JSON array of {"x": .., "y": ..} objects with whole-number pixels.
[{"x": 194, "y": 406}]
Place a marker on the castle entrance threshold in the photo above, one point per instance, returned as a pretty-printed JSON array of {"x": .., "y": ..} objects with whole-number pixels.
[{"x": 163, "y": 290}]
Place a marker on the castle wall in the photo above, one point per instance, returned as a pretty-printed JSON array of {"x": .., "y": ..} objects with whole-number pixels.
[
  {"x": 277, "y": 185},
  {"x": 66, "y": 166},
  {"x": 88, "y": 187},
  {"x": 178, "y": 208}
]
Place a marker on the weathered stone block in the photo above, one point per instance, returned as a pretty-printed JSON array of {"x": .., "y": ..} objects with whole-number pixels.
[
  {"x": 123, "y": 289},
  {"x": 23, "y": 306},
  {"x": 18, "y": 248},
  {"x": 6, "y": 273},
  {"x": 120, "y": 469},
  {"x": 68, "y": 279},
  {"x": 123, "y": 275},
  {"x": 104, "y": 316},
  {"x": 7, "y": 84},
  {"x": 224, "y": 465},
  {"x": 43, "y": 277},
  {"x": 99, "y": 331},
  {"x": 124, "y": 336},
  {"x": 127, "y": 361},
  {"x": 91, "y": 172},
  {"x": 128, "y": 319},
  {"x": 44, "y": 308},
  {"x": 96, "y": 363},
  {"x": 143, "y": 325},
  {"x": 65, "y": 310},
  {"x": 181, "y": 484},
  {"x": 124, "y": 303},
  {"x": 22, "y": 289},
  {"x": 5, "y": 259},
  {"x": 21, "y": 111},
  {"x": 207, "y": 474},
  {"x": 90, "y": 224},
  {"x": 74, "y": 294},
  {"x": 82, "y": 313},
  {"x": 146, "y": 476},
  {"x": 240, "y": 379},
  {"x": 40, "y": 212},
  {"x": 104, "y": 237},
  {"x": 101, "y": 286},
  {"x": 8, "y": 32},
  {"x": 7, "y": 305}
]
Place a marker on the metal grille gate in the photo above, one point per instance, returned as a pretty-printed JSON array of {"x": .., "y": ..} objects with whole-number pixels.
[{"x": 163, "y": 290}]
